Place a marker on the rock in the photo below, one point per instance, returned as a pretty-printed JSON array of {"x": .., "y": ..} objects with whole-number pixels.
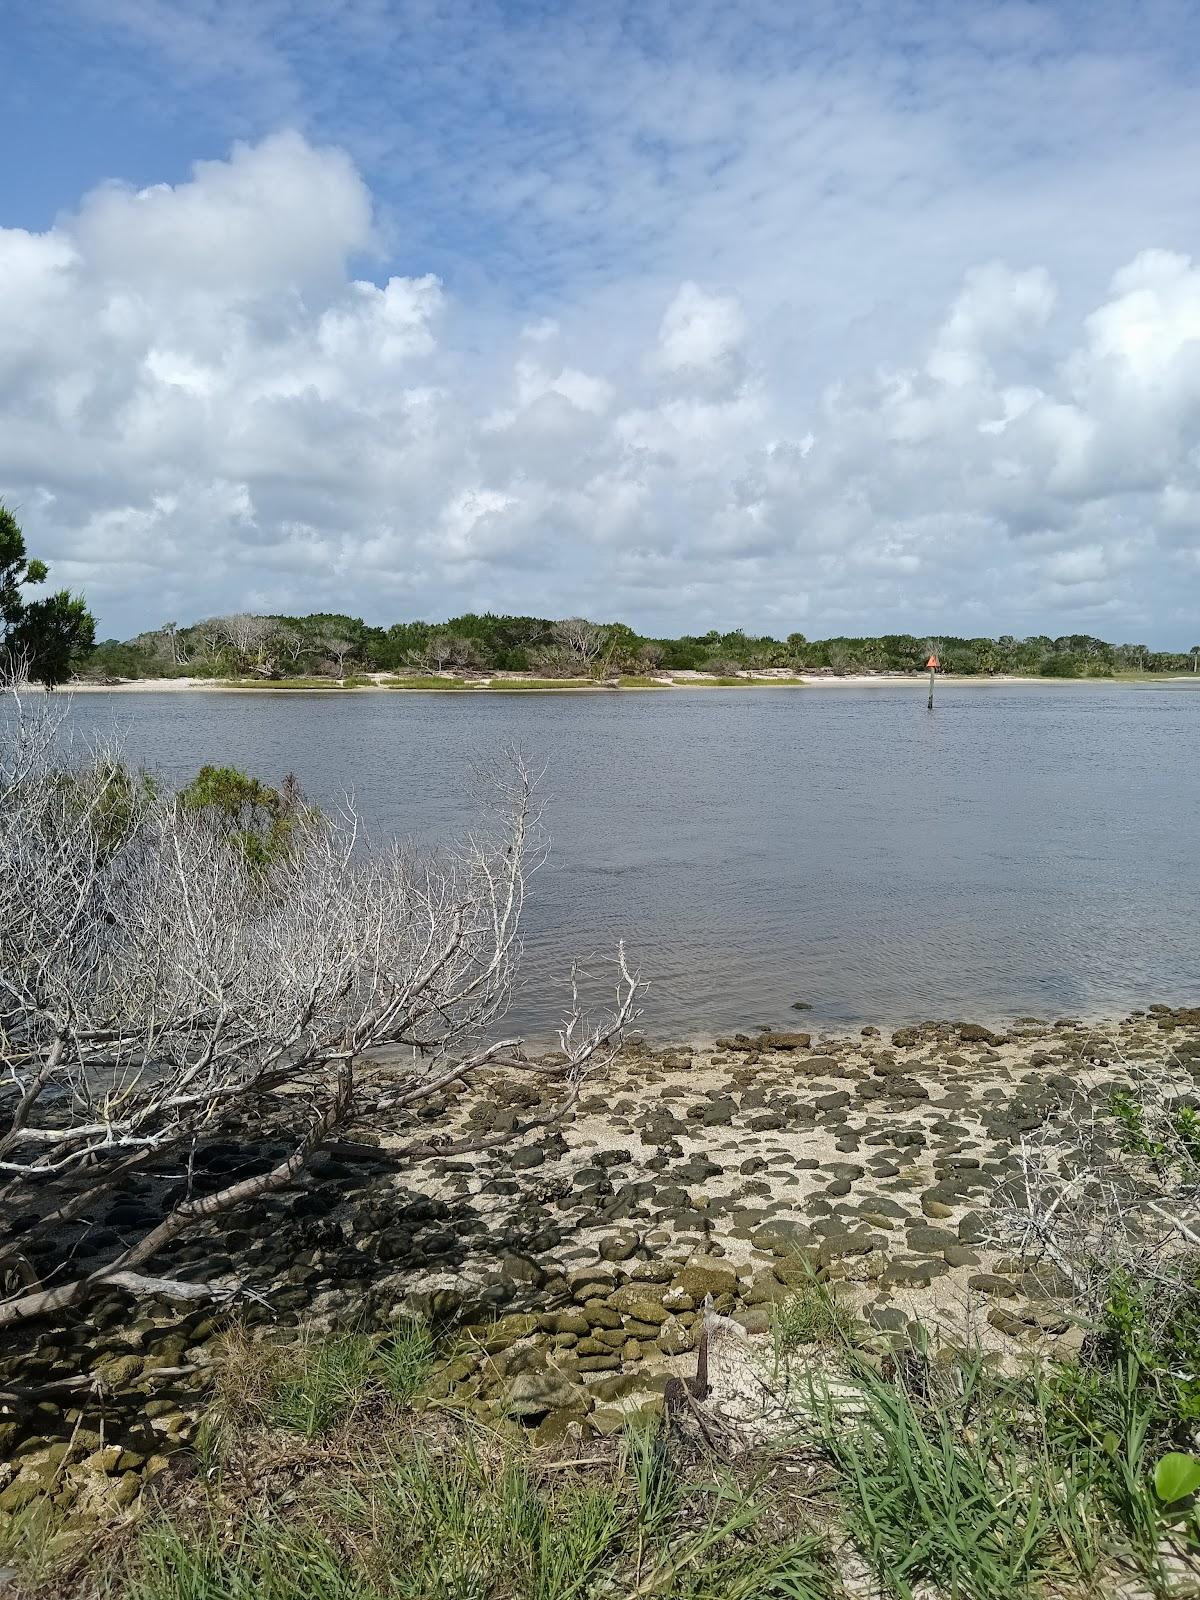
[
  {"x": 1005, "y": 1322},
  {"x": 926, "y": 1238},
  {"x": 569, "y": 1321},
  {"x": 635, "y": 1329},
  {"x": 700, "y": 1278},
  {"x": 532, "y": 1393},
  {"x": 530, "y": 1155},
  {"x": 618, "y": 1246},
  {"x": 673, "y": 1338},
  {"x": 836, "y": 1100},
  {"x": 990, "y": 1283},
  {"x": 972, "y": 1229},
  {"x": 556, "y": 1425},
  {"x": 753, "y": 1319},
  {"x": 785, "y": 1040},
  {"x": 974, "y": 1033},
  {"x": 118, "y": 1371},
  {"x": 798, "y": 1269},
  {"x": 718, "y": 1112},
  {"x": 600, "y": 1314},
  {"x": 781, "y": 1234},
  {"x": 636, "y": 1302},
  {"x": 508, "y": 1329},
  {"x": 836, "y": 1245},
  {"x": 607, "y": 1419},
  {"x": 916, "y": 1274},
  {"x": 764, "y": 1289}
]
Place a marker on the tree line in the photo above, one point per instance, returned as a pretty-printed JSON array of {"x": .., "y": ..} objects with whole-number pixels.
[
  {"x": 326, "y": 644},
  {"x": 52, "y": 638}
]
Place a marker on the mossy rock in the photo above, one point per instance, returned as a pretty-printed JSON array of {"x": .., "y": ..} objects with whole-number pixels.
[
  {"x": 639, "y": 1303},
  {"x": 600, "y": 1314},
  {"x": 570, "y": 1321},
  {"x": 532, "y": 1393},
  {"x": 555, "y": 1426},
  {"x": 21, "y": 1492},
  {"x": 675, "y": 1338},
  {"x": 118, "y": 1371},
  {"x": 508, "y": 1329},
  {"x": 698, "y": 1279}
]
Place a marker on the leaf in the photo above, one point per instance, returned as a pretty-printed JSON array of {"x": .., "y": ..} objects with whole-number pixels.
[{"x": 1175, "y": 1476}]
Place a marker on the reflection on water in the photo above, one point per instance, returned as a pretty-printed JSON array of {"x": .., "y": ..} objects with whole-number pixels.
[{"x": 1025, "y": 848}]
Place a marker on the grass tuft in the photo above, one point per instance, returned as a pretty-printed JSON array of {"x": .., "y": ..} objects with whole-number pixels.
[{"x": 813, "y": 1314}]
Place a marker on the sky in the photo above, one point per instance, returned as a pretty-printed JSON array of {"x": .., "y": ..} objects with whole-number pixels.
[{"x": 850, "y": 317}]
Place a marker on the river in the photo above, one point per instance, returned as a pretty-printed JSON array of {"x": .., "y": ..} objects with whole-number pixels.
[{"x": 1025, "y": 848}]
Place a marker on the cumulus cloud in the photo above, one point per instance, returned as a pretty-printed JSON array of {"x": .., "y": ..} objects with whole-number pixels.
[{"x": 210, "y": 399}]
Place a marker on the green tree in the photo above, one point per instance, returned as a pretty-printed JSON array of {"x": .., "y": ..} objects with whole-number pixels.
[
  {"x": 43, "y": 637},
  {"x": 247, "y": 813}
]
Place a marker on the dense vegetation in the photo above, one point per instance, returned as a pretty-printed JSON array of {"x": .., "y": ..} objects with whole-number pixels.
[
  {"x": 47, "y": 637},
  {"x": 334, "y": 1467},
  {"x": 332, "y": 645}
]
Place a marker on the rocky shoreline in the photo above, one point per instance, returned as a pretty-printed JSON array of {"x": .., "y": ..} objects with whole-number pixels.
[{"x": 571, "y": 1269}]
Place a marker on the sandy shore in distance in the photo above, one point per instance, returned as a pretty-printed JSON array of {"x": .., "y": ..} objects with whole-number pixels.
[{"x": 681, "y": 680}]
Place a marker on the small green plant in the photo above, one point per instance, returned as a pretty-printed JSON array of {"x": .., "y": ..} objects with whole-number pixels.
[
  {"x": 406, "y": 1360},
  {"x": 1156, "y": 1325},
  {"x": 1176, "y": 1477},
  {"x": 321, "y": 1383},
  {"x": 812, "y": 1314},
  {"x": 1169, "y": 1137}
]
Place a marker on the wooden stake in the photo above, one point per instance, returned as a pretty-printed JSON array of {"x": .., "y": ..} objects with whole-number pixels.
[{"x": 931, "y": 688}]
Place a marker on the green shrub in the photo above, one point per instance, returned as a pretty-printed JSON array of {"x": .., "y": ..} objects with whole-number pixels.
[{"x": 246, "y": 813}]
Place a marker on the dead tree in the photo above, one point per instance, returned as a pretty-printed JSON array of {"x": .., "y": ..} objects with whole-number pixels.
[
  {"x": 1111, "y": 1190},
  {"x": 582, "y": 640},
  {"x": 159, "y": 988}
]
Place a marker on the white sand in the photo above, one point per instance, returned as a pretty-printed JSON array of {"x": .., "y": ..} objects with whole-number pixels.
[{"x": 681, "y": 680}]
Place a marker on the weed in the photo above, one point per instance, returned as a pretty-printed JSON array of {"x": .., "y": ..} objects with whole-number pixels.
[
  {"x": 406, "y": 1360},
  {"x": 811, "y": 1315}
]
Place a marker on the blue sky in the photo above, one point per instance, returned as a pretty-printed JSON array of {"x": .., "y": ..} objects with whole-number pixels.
[{"x": 837, "y": 317}]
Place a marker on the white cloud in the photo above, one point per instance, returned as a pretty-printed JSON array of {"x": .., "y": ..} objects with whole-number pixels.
[
  {"x": 204, "y": 404},
  {"x": 701, "y": 337}
]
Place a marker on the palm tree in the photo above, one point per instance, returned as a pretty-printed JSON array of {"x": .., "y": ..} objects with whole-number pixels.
[{"x": 1194, "y": 652}]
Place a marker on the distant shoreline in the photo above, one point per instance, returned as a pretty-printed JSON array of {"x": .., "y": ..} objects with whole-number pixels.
[{"x": 775, "y": 679}]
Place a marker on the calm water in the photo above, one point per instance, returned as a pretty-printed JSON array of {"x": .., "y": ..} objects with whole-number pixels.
[{"x": 1024, "y": 849}]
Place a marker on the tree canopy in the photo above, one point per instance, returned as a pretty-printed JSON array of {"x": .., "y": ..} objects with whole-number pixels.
[
  {"x": 44, "y": 638},
  {"x": 334, "y": 645}
]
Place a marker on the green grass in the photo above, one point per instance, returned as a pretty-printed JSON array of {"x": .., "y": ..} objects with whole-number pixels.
[
  {"x": 931, "y": 1501},
  {"x": 958, "y": 1479},
  {"x": 461, "y": 1519},
  {"x": 419, "y": 681},
  {"x": 522, "y": 686},
  {"x": 741, "y": 683},
  {"x": 812, "y": 1314},
  {"x": 936, "y": 1473},
  {"x": 288, "y": 683},
  {"x": 312, "y": 1385}
]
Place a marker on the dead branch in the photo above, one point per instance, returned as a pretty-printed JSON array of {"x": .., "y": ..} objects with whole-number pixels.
[{"x": 159, "y": 989}]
